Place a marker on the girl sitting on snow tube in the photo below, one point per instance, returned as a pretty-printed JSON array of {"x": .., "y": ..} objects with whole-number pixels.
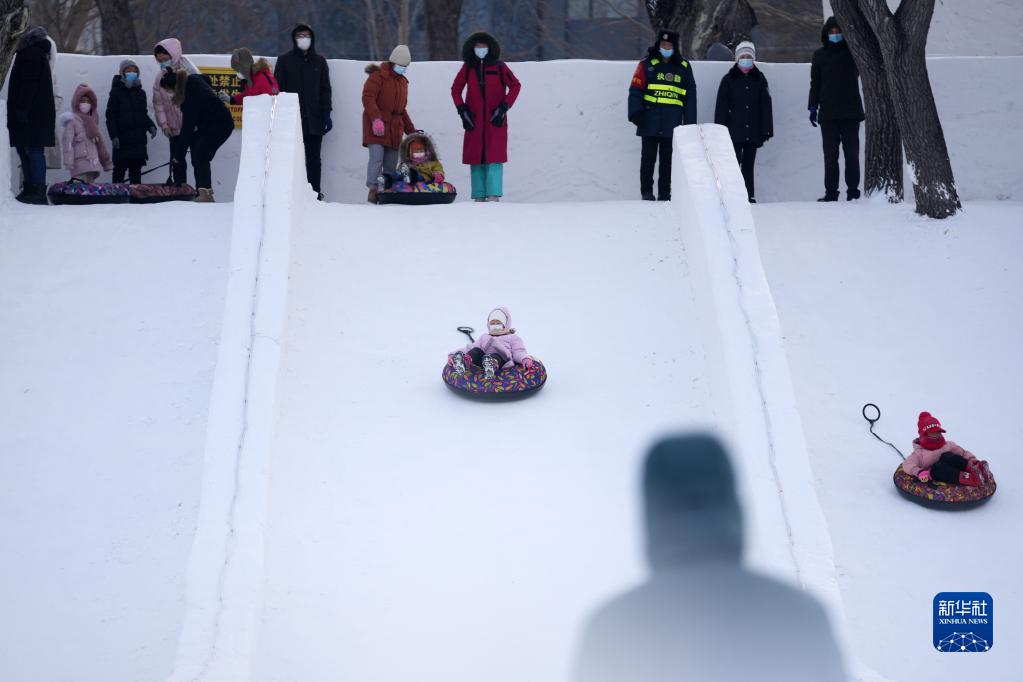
[
  {"x": 940, "y": 460},
  {"x": 498, "y": 350},
  {"x": 418, "y": 161}
]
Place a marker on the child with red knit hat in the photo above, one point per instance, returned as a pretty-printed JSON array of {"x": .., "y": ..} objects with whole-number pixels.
[{"x": 935, "y": 458}]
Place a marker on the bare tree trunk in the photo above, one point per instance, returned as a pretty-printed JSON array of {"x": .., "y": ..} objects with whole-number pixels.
[
  {"x": 371, "y": 29},
  {"x": 700, "y": 23},
  {"x": 442, "y": 28},
  {"x": 404, "y": 23},
  {"x": 13, "y": 23},
  {"x": 118, "y": 27},
  {"x": 903, "y": 40},
  {"x": 883, "y": 152}
]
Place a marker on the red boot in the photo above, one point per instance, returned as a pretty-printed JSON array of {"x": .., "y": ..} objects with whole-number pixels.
[
  {"x": 966, "y": 478},
  {"x": 975, "y": 468}
]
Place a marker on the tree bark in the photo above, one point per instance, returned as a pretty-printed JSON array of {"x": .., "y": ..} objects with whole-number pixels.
[
  {"x": 442, "y": 29},
  {"x": 700, "y": 23},
  {"x": 883, "y": 153},
  {"x": 13, "y": 23},
  {"x": 903, "y": 40},
  {"x": 118, "y": 27}
]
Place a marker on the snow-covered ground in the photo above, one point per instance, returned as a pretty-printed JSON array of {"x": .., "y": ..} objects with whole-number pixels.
[
  {"x": 109, "y": 321},
  {"x": 880, "y": 305}
]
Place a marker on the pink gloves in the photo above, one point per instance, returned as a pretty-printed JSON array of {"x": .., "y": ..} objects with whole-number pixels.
[
  {"x": 924, "y": 475},
  {"x": 378, "y": 127},
  {"x": 527, "y": 363},
  {"x": 438, "y": 178}
]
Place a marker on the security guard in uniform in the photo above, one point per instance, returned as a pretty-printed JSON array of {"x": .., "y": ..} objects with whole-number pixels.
[{"x": 661, "y": 97}]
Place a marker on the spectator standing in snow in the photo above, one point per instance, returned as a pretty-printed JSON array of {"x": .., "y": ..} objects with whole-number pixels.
[
  {"x": 385, "y": 119},
  {"x": 744, "y": 107},
  {"x": 85, "y": 152},
  {"x": 205, "y": 125},
  {"x": 702, "y": 615},
  {"x": 662, "y": 96},
  {"x": 168, "y": 55},
  {"x": 305, "y": 72},
  {"x": 128, "y": 122},
  {"x": 31, "y": 116},
  {"x": 257, "y": 77},
  {"x": 490, "y": 89},
  {"x": 835, "y": 103}
]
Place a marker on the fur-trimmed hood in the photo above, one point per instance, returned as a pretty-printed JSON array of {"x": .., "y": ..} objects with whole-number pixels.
[
  {"x": 493, "y": 56},
  {"x": 422, "y": 138}
]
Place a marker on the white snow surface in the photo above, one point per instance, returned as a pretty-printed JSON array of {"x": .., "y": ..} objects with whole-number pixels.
[
  {"x": 570, "y": 140},
  {"x": 880, "y": 305}
]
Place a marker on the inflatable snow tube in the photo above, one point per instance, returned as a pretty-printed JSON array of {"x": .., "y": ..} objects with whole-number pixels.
[
  {"x": 513, "y": 383},
  {"x": 86, "y": 193},
  {"x": 418, "y": 193},
  {"x": 146, "y": 193},
  {"x": 938, "y": 496}
]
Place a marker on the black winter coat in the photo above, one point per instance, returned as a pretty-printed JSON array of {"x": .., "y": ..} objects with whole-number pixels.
[
  {"x": 128, "y": 120},
  {"x": 202, "y": 113},
  {"x": 834, "y": 81},
  {"x": 658, "y": 119},
  {"x": 744, "y": 106},
  {"x": 307, "y": 74},
  {"x": 31, "y": 114}
]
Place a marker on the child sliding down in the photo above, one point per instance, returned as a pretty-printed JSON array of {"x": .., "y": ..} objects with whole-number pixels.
[
  {"x": 937, "y": 459},
  {"x": 418, "y": 161},
  {"x": 499, "y": 349}
]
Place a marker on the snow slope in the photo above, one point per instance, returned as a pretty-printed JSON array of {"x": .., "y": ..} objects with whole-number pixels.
[
  {"x": 879, "y": 305},
  {"x": 110, "y": 319},
  {"x": 570, "y": 140}
]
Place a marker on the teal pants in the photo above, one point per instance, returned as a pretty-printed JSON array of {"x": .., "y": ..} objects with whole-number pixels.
[{"x": 487, "y": 180}]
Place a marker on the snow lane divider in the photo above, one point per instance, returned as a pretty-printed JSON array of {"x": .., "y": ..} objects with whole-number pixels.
[{"x": 226, "y": 566}]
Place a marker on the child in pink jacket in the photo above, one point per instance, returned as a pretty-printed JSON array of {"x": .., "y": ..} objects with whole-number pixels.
[
  {"x": 935, "y": 458},
  {"x": 85, "y": 152},
  {"x": 168, "y": 55},
  {"x": 501, "y": 348}
]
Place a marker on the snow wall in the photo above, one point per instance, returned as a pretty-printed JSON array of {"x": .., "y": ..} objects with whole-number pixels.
[
  {"x": 570, "y": 140},
  {"x": 225, "y": 574},
  {"x": 5, "y": 166}
]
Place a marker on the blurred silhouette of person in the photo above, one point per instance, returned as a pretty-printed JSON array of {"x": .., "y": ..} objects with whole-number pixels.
[{"x": 701, "y": 615}]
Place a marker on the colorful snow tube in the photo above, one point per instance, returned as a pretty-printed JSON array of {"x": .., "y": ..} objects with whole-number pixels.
[
  {"x": 513, "y": 383},
  {"x": 85, "y": 193},
  {"x": 418, "y": 193},
  {"x": 937, "y": 496}
]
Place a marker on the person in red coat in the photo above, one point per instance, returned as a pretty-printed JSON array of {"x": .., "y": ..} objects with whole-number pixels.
[
  {"x": 385, "y": 118},
  {"x": 257, "y": 78},
  {"x": 490, "y": 90}
]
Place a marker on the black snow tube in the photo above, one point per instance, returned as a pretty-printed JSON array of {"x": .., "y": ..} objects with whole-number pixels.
[{"x": 418, "y": 194}]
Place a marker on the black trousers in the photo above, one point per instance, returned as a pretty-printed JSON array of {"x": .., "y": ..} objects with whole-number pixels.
[
  {"x": 204, "y": 148},
  {"x": 746, "y": 154},
  {"x": 846, "y": 133},
  {"x": 133, "y": 168},
  {"x": 652, "y": 148},
  {"x": 178, "y": 171},
  {"x": 477, "y": 357},
  {"x": 948, "y": 467},
  {"x": 312, "y": 145}
]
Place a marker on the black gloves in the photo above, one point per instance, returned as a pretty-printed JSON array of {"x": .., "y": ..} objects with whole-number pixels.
[
  {"x": 813, "y": 117},
  {"x": 497, "y": 118},
  {"x": 466, "y": 115}
]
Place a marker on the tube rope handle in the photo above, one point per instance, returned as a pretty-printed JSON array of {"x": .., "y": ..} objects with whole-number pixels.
[{"x": 873, "y": 421}]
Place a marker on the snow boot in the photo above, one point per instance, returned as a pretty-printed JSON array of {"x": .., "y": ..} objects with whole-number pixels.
[
  {"x": 852, "y": 195},
  {"x": 36, "y": 195},
  {"x": 665, "y": 197},
  {"x": 372, "y": 198},
  {"x": 648, "y": 196},
  {"x": 458, "y": 363},
  {"x": 829, "y": 197},
  {"x": 489, "y": 366},
  {"x": 967, "y": 478},
  {"x": 493, "y": 198},
  {"x": 204, "y": 195},
  {"x": 752, "y": 200},
  {"x": 975, "y": 467}
]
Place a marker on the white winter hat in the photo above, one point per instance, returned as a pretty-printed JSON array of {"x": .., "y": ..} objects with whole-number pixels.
[
  {"x": 401, "y": 56},
  {"x": 745, "y": 47}
]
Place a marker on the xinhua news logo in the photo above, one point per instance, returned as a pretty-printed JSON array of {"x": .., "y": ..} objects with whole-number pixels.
[{"x": 963, "y": 622}]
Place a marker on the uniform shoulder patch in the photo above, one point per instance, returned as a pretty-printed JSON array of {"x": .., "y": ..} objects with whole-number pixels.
[{"x": 685, "y": 63}]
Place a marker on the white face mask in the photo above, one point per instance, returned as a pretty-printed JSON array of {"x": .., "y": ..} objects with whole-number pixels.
[
  {"x": 496, "y": 327},
  {"x": 304, "y": 43},
  {"x": 84, "y": 107},
  {"x": 419, "y": 156}
]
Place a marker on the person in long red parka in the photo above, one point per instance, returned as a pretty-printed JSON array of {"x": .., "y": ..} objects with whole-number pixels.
[{"x": 490, "y": 90}]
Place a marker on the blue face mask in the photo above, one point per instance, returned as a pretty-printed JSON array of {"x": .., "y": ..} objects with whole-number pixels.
[
  {"x": 131, "y": 77},
  {"x": 481, "y": 52},
  {"x": 399, "y": 69},
  {"x": 835, "y": 37},
  {"x": 746, "y": 63},
  {"x": 667, "y": 53}
]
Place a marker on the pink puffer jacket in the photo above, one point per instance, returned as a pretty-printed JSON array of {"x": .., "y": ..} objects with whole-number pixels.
[
  {"x": 922, "y": 458},
  {"x": 83, "y": 152},
  {"x": 168, "y": 114},
  {"x": 509, "y": 345}
]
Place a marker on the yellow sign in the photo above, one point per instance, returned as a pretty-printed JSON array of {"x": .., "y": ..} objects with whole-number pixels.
[{"x": 224, "y": 78}]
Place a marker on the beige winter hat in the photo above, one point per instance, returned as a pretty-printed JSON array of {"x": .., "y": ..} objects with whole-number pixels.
[{"x": 400, "y": 56}]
